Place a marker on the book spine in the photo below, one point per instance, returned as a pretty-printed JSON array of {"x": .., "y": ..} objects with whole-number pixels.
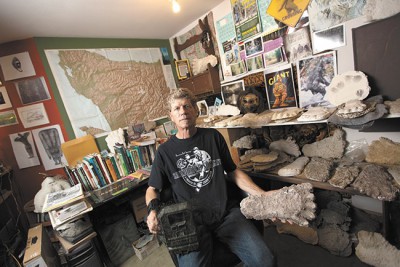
[
  {"x": 111, "y": 169},
  {"x": 145, "y": 156},
  {"x": 137, "y": 157},
  {"x": 70, "y": 176},
  {"x": 120, "y": 150},
  {"x": 115, "y": 165},
  {"x": 130, "y": 159},
  {"x": 134, "y": 159},
  {"x": 96, "y": 170},
  {"x": 103, "y": 168},
  {"x": 95, "y": 179},
  {"x": 121, "y": 163},
  {"x": 84, "y": 179},
  {"x": 89, "y": 175}
]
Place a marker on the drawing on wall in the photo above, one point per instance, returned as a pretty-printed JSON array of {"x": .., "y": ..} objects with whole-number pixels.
[
  {"x": 230, "y": 92},
  {"x": 24, "y": 149},
  {"x": 8, "y": 118},
  {"x": 32, "y": 90},
  {"x": 89, "y": 82},
  {"x": 4, "y": 99},
  {"x": 315, "y": 73},
  {"x": 17, "y": 66},
  {"x": 48, "y": 141},
  {"x": 33, "y": 115}
]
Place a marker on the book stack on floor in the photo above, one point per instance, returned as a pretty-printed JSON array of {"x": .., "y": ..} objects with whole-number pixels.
[{"x": 67, "y": 211}]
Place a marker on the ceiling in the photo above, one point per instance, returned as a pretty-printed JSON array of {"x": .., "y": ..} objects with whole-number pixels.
[{"x": 144, "y": 19}]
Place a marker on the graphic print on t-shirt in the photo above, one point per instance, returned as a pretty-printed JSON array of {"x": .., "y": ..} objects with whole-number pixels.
[{"x": 196, "y": 168}]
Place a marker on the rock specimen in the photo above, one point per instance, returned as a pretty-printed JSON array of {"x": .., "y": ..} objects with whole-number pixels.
[
  {"x": 384, "y": 151},
  {"x": 376, "y": 182},
  {"x": 374, "y": 250},
  {"x": 330, "y": 147},
  {"x": 344, "y": 175},
  {"x": 334, "y": 239},
  {"x": 294, "y": 168},
  {"x": 294, "y": 203},
  {"x": 265, "y": 158},
  {"x": 282, "y": 158},
  {"x": 347, "y": 86},
  {"x": 306, "y": 234},
  {"x": 318, "y": 169},
  {"x": 288, "y": 146}
]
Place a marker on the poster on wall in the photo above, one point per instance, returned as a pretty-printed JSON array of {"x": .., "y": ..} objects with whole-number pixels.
[
  {"x": 91, "y": 90},
  {"x": 268, "y": 22},
  {"x": 314, "y": 74},
  {"x": 328, "y": 39},
  {"x": 4, "y": 99},
  {"x": 32, "y": 90},
  {"x": 289, "y": 11},
  {"x": 48, "y": 141},
  {"x": 279, "y": 86},
  {"x": 24, "y": 149},
  {"x": 33, "y": 115},
  {"x": 17, "y": 66},
  {"x": 246, "y": 18}
]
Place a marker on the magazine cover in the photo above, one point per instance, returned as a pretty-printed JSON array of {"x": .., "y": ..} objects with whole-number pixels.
[
  {"x": 279, "y": 85},
  {"x": 246, "y": 18},
  {"x": 315, "y": 73},
  {"x": 288, "y": 11}
]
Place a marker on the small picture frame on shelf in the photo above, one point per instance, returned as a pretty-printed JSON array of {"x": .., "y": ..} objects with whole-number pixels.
[{"x": 183, "y": 69}]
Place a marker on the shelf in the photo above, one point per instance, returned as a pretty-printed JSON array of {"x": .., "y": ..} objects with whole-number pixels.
[{"x": 299, "y": 180}]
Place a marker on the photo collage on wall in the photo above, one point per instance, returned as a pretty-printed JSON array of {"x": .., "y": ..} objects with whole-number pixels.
[
  {"x": 31, "y": 113},
  {"x": 297, "y": 61}
]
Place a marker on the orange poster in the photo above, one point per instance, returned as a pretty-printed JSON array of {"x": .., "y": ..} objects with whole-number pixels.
[{"x": 287, "y": 11}]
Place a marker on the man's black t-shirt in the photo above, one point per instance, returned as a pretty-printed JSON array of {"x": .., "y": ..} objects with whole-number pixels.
[{"x": 195, "y": 169}]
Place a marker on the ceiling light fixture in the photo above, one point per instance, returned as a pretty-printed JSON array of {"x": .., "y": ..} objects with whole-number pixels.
[{"x": 175, "y": 6}]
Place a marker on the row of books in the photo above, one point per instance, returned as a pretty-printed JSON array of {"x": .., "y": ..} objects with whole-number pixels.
[{"x": 97, "y": 170}]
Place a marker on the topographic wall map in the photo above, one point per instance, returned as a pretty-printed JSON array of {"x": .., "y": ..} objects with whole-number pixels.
[{"x": 107, "y": 89}]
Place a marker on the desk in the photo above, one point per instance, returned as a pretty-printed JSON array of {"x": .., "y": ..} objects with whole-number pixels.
[{"x": 115, "y": 210}]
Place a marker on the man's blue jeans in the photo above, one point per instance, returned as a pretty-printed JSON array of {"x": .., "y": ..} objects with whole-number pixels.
[{"x": 239, "y": 234}]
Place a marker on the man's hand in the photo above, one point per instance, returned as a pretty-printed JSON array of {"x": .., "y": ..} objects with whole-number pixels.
[{"x": 152, "y": 222}]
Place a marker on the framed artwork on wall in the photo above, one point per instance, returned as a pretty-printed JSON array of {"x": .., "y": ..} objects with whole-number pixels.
[
  {"x": 203, "y": 108},
  {"x": 8, "y": 118},
  {"x": 182, "y": 69},
  {"x": 230, "y": 92},
  {"x": 4, "y": 99}
]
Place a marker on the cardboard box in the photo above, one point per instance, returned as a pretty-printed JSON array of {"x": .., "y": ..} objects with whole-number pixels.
[
  {"x": 39, "y": 250},
  {"x": 139, "y": 208},
  {"x": 145, "y": 245}
]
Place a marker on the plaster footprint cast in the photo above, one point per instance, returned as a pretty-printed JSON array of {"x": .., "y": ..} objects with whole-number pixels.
[
  {"x": 374, "y": 250},
  {"x": 294, "y": 168},
  {"x": 294, "y": 203},
  {"x": 288, "y": 146},
  {"x": 315, "y": 114}
]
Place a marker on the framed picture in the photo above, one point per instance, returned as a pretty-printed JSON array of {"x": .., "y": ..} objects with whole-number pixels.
[
  {"x": 255, "y": 63},
  {"x": 253, "y": 47},
  {"x": 48, "y": 141},
  {"x": 203, "y": 108},
  {"x": 8, "y": 118},
  {"x": 183, "y": 69},
  {"x": 314, "y": 74},
  {"x": 24, "y": 149},
  {"x": 33, "y": 115},
  {"x": 230, "y": 92},
  {"x": 165, "y": 56},
  {"x": 17, "y": 66},
  {"x": 4, "y": 99},
  {"x": 328, "y": 39},
  {"x": 279, "y": 85},
  {"x": 32, "y": 90},
  {"x": 238, "y": 68}
]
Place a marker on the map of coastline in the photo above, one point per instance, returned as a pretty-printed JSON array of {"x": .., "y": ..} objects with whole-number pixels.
[{"x": 107, "y": 89}]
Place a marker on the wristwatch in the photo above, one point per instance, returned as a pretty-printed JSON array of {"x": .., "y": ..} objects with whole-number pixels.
[{"x": 154, "y": 204}]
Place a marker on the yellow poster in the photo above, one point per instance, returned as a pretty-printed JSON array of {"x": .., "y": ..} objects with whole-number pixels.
[{"x": 287, "y": 11}]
